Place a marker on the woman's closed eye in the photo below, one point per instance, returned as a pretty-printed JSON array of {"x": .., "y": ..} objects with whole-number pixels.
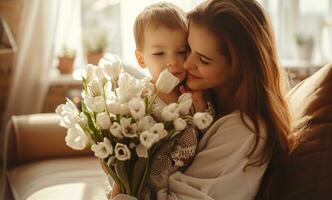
[{"x": 204, "y": 61}]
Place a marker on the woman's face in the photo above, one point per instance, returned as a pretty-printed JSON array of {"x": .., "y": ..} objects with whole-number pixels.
[{"x": 206, "y": 67}]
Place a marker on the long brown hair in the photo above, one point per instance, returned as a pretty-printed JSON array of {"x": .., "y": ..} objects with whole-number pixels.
[{"x": 246, "y": 38}]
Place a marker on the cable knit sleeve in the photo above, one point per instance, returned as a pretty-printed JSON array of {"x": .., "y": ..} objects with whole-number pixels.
[{"x": 217, "y": 171}]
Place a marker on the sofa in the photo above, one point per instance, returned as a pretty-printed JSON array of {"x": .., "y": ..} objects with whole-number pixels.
[{"x": 40, "y": 166}]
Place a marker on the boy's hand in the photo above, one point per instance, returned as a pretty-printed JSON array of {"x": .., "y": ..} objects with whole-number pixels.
[
  {"x": 115, "y": 190},
  {"x": 198, "y": 98}
]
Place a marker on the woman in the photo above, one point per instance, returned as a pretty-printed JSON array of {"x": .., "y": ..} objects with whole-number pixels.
[{"x": 233, "y": 56}]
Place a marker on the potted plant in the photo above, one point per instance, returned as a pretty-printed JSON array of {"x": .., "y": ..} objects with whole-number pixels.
[
  {"x": 66, "y": 60},
  {"x": 95, "y": 41},
  {"x": 305, "y": 45}
]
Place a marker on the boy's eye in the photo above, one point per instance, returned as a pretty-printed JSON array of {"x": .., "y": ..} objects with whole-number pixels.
[
  {"x": 158, "y": 54},
  {"x": 203, "y": 61}
]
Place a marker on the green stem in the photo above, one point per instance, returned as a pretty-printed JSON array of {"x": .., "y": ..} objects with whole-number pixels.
[
  {"x": 147, "y": 169},
  {"x": 153, "y": 100}
]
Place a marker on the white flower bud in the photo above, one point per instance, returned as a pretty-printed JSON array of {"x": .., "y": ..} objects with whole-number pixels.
[
  {"x": 202, "y": 120},
  {"x": 95, "y": 87},
  {"x": 158, "y": 129},
  {"x": 147, "y": 139},
  {"x": 114, "y": 108},
  {"x": 170, "y": 112},
  {"x": 145, "y": 123},
  {"x": 166, "y": 82},
  {"x": 179, "y": 124},
  {"x": 137, "y": 107},
  {"x": 184, "y": 107},
  {"x": 111, "y": 66},
  {"x": 76, "y": 138},
  {"x": 124, "y": 110},
  {"x": 184, "y": 97},
  {"x": 103, "y": 121}
]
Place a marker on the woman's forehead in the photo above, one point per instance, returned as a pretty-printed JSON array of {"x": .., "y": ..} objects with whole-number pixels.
[{"x": 202, "y": 39}]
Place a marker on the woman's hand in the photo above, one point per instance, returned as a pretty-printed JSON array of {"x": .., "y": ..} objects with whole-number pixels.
[{"x": 200, "y": 104}]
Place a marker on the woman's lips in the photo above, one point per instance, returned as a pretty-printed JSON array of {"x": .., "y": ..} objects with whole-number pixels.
[{"x": 190, "y": 75}]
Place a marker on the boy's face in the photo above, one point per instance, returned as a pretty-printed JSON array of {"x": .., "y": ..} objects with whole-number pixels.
[{"x": 163, "y": 48}]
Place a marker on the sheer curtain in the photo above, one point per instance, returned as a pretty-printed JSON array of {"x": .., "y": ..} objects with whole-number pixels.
[{"x": 41, "y": 31}]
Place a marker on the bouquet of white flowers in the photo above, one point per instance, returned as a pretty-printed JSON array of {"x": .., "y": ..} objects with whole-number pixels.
[{"x": 123, "y": 125}]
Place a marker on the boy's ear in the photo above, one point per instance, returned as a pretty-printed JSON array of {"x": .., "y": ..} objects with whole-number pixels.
[{"x": 140, "y": 58}]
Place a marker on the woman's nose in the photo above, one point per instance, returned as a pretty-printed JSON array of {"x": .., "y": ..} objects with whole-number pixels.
[{"x": 188, "y": 62}]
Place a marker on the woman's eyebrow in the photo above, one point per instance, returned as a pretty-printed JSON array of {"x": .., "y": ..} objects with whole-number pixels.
[{"x": 210, "y": 59}]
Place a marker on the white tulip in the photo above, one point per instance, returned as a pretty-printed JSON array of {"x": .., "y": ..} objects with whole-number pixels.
[
  {"x": 124, "y": 110},
  {"x": 141, "y": 151},
  {"x": 89, "y": 72},
  {"x": 113, "y": 108},
  {"x": 184, "y": 97},
  {"x": 179, "y": 124},
  {"x": 185, "y": 103},
  {"x": 129, "y": 87},
  {"x": 202, "y": 120},
  {"x": 147, "y": 139},
  {"x": 170, "y": 112},
  {"x": 76, "y": 138},
  {"x": 95, "y": 87},
  {"x": 111, "y": 65},
  {"x": 69, "y": 114},
  {"x": 158, "y": 129},
  {"x": 148, "y": 89},
  {"x": 116, "y": 130},
  {"x": 103, "y": 121},
  {"x": 184, "y": 107},
  {"x": 95, "y": 104},
  {"x": 166, "y": 82},
  {"x": 69, "y": 120},
  {"x": 145, "y": 123},
  {"x": 63, "y": 109},
  {"x": 128, "y": 130},
  {"x": 103, "y": 149},
  {"x": 109, "y": 93},
  {"x": 122, "y": 152},
  {"x": 137, "y": 107},
  {"x": 99, "y": 74},
  {"x": 157, "y": 109}
]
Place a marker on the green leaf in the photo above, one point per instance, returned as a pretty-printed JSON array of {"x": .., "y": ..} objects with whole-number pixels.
[
  {"x": 120, "y": 169},
  {"x": 138, "y": 174}
]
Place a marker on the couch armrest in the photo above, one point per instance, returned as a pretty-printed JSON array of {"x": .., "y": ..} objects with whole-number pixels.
[{"x": 36, "y": 137}]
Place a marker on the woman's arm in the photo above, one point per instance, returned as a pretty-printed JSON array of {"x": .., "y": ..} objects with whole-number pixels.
[{"x": 217, "y": 171}]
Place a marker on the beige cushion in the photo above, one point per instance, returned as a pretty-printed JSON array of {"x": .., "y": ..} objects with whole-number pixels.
[{"x": 69, "y": 178}]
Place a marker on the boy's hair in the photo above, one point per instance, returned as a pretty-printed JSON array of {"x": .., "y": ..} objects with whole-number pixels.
[{"x": 159, "y": 14}]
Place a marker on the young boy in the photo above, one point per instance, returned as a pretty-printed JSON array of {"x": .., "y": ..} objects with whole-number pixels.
[{"x": 160, "y": 32}]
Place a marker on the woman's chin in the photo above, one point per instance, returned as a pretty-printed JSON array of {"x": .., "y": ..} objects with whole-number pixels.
[{"x": 193, "y": 84}]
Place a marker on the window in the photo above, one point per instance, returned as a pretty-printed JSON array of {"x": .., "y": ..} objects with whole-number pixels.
[{"x": 302, "y": 27}]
